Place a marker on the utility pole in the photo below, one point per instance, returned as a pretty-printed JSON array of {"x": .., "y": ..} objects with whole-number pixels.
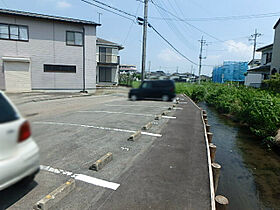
[
  {"x": 254, "y": 38},
  {"x": 144, "y": 40},
  {"x": 177, "y": 69},
  {"x": 202, "y": 43}
]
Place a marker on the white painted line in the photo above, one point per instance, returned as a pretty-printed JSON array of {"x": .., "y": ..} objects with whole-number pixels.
[
  {"x": 178, "y": 108},
  {"x": 124, "y": 113},
  {"x": 169, "y": 117},
  {"x": 182, "y": 102},
  {"x": 164, "y": 107},
  {"x": 96, "y": 127},
  {"x": 151, "y": 134},
  {"x": 82, "y": 177}
]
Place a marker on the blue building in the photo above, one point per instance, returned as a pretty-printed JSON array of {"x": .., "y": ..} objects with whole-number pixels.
[{"x": 230, "y": 71}]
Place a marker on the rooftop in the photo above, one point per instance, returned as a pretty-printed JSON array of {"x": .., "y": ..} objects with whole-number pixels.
[
  {"x": 264, "y": 47},
  {"x": 49, "y": 17},
  {"x": 109, "y": 43}
]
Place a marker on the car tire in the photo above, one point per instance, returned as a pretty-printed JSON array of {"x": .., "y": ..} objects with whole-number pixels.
[
  {"x": 133, "y": 98},
  {"x": 165, "y": 98}
]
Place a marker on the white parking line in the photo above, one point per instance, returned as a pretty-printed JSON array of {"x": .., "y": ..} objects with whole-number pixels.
[
  {"x": 82, "y": 177},
  {"x": 97, "y": 127},
  {"x": 164, "y": 107},
  {"x": 169, "y": 117},
  {"x": 124, "y": 113},
  {"x": 182, "y": 102},
  {"x": 178, "y": 108}
]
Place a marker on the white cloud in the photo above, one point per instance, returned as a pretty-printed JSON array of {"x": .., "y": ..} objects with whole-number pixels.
[
  {"x": 239, "y": 50},
  {"x": 167, "y": 55},
  {"x": 63, "y": 4}
]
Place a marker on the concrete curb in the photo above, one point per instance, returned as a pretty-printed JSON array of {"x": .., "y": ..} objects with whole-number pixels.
[
  {"x": 99, "y": 164},
  {"x": 134, "y": 136},
  {"x": 164, "y": 113},
  {"x": 55, "y": 196},
  {"x": 157, "y": 117},
  {"x": 147, "y": 126}
]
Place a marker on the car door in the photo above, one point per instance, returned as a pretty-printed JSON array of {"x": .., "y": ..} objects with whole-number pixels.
[
  {"x": 146, "y": 90},
  {"x": 9, "y": 128}
]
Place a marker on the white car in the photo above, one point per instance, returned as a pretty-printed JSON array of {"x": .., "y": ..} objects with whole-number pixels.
[{"x": 19, "y": 154}]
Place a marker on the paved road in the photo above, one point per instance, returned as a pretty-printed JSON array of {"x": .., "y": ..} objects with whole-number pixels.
[{"x": 167, "y": 172}]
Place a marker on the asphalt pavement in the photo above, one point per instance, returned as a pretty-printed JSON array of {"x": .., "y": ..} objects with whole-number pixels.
[{"x": 165, "y": 168}]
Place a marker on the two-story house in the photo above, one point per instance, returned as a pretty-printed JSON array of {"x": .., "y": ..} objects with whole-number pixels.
[
  {"x": 255, "y": 75},
  {"x": 108, "y": 61},
  {"x": 43, "y": 52}
]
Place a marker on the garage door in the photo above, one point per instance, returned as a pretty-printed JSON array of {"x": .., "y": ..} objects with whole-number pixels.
[{"x": 17, "y": 76}]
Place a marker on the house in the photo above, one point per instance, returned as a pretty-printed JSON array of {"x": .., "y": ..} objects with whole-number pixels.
[
  {"x": 230, "y": 71},
  {"x": 255, "y": 75},
  {"x": 43, "y": 52},
  {"x": 128, "y": 69},
  {"x": 254, "y": 62},
  {"x": 108, "y": 61},
  {"x": 275, "y": 62}
]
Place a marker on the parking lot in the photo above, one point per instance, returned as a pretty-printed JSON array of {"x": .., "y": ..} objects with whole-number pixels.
[{"x": 73, "y": 133}]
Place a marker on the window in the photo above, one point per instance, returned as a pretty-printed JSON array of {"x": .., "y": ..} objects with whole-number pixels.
[
  {"x": 13, "y": 32},
  {"x": 59, "y": 68},
  {"x": 147, "y": 85},
  {"x": 105, "y": 74},
  {"x": 268, "y": 58},
  {"x": 74, "y": 38},
  {"x": 7, "y": 113},
  {"x": 108, "y": 55}
]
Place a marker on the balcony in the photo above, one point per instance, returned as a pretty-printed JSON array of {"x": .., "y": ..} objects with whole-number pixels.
[{"x": 108, "y": 59}]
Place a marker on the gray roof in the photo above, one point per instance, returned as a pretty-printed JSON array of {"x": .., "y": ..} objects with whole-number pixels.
[
  {"x": 100, "y": 41},
  {"x": 50, "y": 17},
  {"x": 264, "y": 47}
]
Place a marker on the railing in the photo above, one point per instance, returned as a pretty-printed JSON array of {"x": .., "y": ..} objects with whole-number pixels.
[{"x": 103, "y": 58}]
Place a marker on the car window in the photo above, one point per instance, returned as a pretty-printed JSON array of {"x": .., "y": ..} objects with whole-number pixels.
[
  {"x": 7, "y": 113},
  {"x": 147, "y": 85}
]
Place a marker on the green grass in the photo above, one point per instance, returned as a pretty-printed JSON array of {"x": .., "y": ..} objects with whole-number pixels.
[{"x": 259, "y": 109}]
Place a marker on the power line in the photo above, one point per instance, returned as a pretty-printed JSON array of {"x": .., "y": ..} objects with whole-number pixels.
[
  {"x": 108, "y": 10},
  {"x": 191, "y": 24},
  {"x": 130, "y": 27},
  {"x": 225, "y": 18},
  {"x": 173, "y": 47},
  {"x": 114, "y": 8}
]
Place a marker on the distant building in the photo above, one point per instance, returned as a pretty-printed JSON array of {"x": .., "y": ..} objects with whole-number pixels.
[
  {"x": 256, "y": 74},
  {"x": 108, "y": 60},
  {"x": 230, "y": 71},
  {"x": 124, "y": 69}
]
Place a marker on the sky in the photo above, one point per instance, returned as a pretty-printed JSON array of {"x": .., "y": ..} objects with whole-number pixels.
[{"x": 226, "y": 40}]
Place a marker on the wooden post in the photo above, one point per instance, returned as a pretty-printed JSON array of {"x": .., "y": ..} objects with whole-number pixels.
[
  {"x": 221, "y": 202},
  {"x": 204, "y": 116},
  {"x": 204, "y": 111},
  {"x": 207, "y": 128},
  {"x": 212, "y": 152},
  {"x": 210, "y": 137},
  {"x": 205, "y": 121},
  {"x": 216, "y": 168}
]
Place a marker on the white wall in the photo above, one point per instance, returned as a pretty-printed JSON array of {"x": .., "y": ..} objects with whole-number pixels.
[
  {"x": 47, "y": 45},
  {"x": 275, "y": 63},
  {"x": 254, "y": 80}
]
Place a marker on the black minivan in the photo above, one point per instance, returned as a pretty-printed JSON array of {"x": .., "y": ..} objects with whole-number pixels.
[{"x": 154, "y": 89}]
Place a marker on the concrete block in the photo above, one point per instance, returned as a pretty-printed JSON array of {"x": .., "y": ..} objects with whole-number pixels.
[
  {"x": 55, "y": 196},
  {"x": 164, "y": 113},
  {"x": 147, "y": 126},
  {"x": 99, "y": 164},
  {"x": 157, "y": 117},
  {"x": 134, "y": 136}
]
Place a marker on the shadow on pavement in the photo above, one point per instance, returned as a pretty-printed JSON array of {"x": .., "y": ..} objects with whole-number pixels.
[{"x": 14, "y": 193}]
